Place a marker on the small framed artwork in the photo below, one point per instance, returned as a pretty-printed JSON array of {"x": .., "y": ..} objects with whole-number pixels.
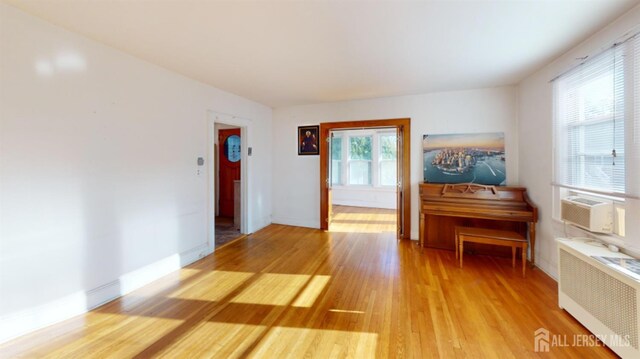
[{"x": 308, "y": 143}]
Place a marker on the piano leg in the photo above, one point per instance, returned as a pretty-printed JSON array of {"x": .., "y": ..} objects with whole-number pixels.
[
  {"x": 524, "y": 259},
  {"x": 421, "y": 229},
  {"x": 532, "y": 240}
]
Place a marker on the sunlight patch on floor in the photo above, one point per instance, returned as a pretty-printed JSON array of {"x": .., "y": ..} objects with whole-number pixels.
[
  {"x": 224, "y": 283},
  {"x": 346, "y": 311},
  {"x": 272, "y": 289},
  {"x": 121, "y": 342},
  {"x": 312, "y": 291},
  {"x": 346, "y": 219},
  {"x": 215, "y": 340},
  {"x": 359, "y": 216},
  {"x": 284, "y": 342},
  {"x": 188, "y": 272},
  {"x": 350, "y": 229},
  {"x": 172, "y": 282}
]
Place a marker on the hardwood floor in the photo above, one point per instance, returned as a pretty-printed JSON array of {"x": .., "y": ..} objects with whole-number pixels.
[
  {"x": 298, "y": 292},
  {"x": 362, "y": 219}
]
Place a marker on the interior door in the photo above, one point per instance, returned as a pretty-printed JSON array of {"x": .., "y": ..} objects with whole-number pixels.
[
  {"x": 229, "y": 142},
  {"x": 400, "y": 179}
]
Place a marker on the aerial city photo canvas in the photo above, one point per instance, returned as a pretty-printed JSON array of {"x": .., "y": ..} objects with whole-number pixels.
[{"x": 464, "y": 158}]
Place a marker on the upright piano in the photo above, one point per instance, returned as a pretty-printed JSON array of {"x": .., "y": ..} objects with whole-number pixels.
[{"x": 445, "y": 206}]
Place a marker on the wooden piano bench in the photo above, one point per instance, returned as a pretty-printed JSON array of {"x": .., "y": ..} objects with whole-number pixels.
[{"x": 491, "y": 236}]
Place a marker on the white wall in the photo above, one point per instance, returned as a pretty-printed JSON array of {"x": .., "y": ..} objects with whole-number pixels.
[
  {"x": 535, "y": 131},
  {"x": 296, "y": 178},
  {"x": 98, "y": 184}
]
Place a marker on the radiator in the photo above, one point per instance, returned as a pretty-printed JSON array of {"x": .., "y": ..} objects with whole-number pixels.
[{"x": 603, "y": 299}]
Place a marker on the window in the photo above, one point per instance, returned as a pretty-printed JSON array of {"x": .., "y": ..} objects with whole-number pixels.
[
  {"x": 597, "y": 126},
  {"x": 336, "y": 160},
  {"x": 387, "y": 160},
  {"x": 360, "y": 160},
  {"x": 364, "y": 158},
  {"x": 590, "y": 125}
]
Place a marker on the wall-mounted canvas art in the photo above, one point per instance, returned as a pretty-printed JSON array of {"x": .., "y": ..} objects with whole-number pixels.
[{"x": 464, "y": 158}]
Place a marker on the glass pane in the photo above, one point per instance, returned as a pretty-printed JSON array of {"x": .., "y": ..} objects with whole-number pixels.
[
  {"x": 388, "y": 173},
  {"x": 590, "y": 125},
  {"x": 360, "y": 172},
  {"x": 595, "y": 128},
  {"x": 597, "y": 97},
  {"x": 360, "y": 148},
  {"x": 388, "y": 147},
  {"x": 336, "y": 172},
  {"x": 336, "y": 148},
  {"x": 597, "y": 172}
]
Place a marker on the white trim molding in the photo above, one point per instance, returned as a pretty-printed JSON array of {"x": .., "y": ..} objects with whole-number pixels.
[{"x": 214, "y": 117}]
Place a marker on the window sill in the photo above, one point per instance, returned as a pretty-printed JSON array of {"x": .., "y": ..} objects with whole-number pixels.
[{"x": 603, "y": 237}]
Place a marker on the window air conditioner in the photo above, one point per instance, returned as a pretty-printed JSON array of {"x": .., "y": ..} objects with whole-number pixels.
[{"x": 589, "y": 214}]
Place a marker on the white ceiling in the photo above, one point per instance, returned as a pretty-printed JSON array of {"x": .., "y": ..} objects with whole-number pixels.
[{"x": 286, "y": 53}]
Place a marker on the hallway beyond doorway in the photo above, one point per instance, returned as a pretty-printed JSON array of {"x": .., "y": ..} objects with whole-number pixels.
[{"x": 226, "y": 231}]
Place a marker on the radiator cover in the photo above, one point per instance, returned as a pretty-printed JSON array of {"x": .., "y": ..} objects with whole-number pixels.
[{"x": 603, "y": 299}]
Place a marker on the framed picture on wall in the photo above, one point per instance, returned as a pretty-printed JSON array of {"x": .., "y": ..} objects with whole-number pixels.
[{"x": 308, "y": 143}]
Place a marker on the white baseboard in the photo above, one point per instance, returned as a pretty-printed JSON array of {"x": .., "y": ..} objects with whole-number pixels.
[
  {"x": 25, "y": 321},
  {"x": 260, "y": 225},
  {"x": 363, "y": 203},
  {"x": 548, "y": 268},
  {"x": 298, "y": 222}
]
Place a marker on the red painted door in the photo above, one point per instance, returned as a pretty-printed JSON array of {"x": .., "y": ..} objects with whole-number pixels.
[{"x": 230, "y": 153}]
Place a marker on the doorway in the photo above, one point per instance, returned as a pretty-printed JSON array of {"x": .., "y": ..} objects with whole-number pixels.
[
  {"x": 363, "y": 180},
  {"x": 360, "y": 169},
  {"x": 228, "y": 183}
]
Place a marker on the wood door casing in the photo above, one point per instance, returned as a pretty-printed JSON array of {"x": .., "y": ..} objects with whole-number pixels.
[
  {"x": 399, "y": 181},
  {"x": 405, "y": 124},
  {"x": 229, "y": 155}
]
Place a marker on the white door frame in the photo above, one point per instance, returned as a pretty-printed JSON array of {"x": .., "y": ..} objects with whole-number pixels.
[{"x": 245, "y": 216}]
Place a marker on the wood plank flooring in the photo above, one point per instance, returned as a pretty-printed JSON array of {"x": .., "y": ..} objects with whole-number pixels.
[
  {"x": 362, "y": 220},
  {"x": 299, "y": 292}
]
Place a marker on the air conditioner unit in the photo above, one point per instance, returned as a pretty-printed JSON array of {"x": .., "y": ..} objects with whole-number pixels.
[
  {"x": 604, "y": 299},
  {"x": 592, "y": 215}
]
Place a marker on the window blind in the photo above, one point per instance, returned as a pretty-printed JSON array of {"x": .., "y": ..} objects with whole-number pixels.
[
  {"x": 596, "y": 127},
  {"x": 632, "y": 130}
]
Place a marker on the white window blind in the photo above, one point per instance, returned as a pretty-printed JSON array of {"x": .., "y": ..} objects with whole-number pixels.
[
  {"x": 632, "y": 128},
  {"x": 596, "y": 129}
]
